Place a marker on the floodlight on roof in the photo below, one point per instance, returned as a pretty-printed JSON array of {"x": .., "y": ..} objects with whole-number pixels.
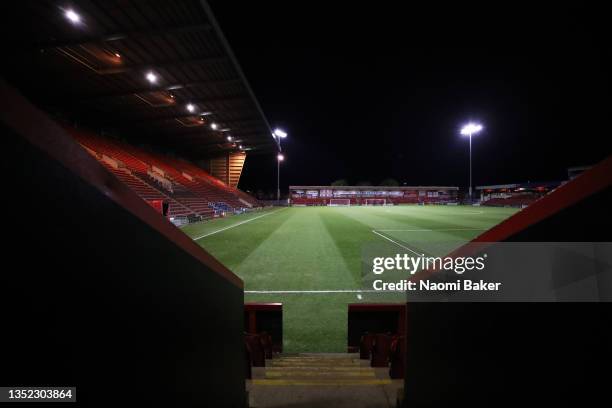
[
  {"x": 151, "y": 77},
  {"x": 73, "y": 16}
]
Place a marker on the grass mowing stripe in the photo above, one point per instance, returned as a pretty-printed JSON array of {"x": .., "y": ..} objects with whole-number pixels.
[{"x": 309, "y": 258}]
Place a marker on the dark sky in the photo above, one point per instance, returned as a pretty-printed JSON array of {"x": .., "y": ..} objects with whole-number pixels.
[{"x": 376, "y": 91}]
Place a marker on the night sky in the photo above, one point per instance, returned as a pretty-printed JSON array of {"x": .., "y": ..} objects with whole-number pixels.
[{"x": 380, "y": 91}]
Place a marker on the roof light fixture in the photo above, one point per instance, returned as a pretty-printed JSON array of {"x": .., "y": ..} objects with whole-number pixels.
[
  {"x": 72, "y": 16},
  {"x": 151, "y": 77}
]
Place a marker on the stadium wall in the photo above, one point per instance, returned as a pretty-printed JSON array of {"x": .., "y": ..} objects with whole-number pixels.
[{"x": 99, "y": 291}]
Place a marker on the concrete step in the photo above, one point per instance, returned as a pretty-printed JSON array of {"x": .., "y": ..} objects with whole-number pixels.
[
  {"x": 319, "y": 374},
  {"x": 335, "y": 382},
  {"x": 319, "y": 368}
]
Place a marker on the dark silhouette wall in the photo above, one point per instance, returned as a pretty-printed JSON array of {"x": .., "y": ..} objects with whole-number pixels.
[
  {"x": 517, "y": 354},
  {"x": 95, "y": 297}
]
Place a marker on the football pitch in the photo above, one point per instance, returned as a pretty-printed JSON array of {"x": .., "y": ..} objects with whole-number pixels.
[{"x": 311, "y": 258}]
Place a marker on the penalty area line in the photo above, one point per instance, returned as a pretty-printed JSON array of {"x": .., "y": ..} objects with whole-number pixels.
[{"x": 237, "y": 224}]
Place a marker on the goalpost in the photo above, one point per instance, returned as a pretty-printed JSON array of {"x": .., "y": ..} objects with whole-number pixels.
[
  {"x": 375, "y": 201},
  {"x": 336, "y": 202}
]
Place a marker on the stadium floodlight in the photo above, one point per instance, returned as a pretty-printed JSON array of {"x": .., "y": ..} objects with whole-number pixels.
[
  {"x": 190, "y": 107},
  {"x": 469, "y": 130},
  {"x": 72, "y": 16},
  {"x": 151, "y": 77},
  {"x": 280, "y": 133}
]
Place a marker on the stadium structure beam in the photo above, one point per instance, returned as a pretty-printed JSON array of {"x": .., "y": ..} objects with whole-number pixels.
[
  {"x": 134, "y": 34},
  {"x": 232, "y": 57},
  {"x": 159, "y": 65},
  {"x": 208, "y": 101},
  {"x": 162, "y": 118},
  {"x": 169, "y": 88},
  {"x": 239, "y": 133}
]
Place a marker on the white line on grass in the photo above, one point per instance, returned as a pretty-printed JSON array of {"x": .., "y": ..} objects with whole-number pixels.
[
  {"x": 237, "y": 224},
  {"x": 315, "y": 291},
  {"x": 433, "y": 230},
  {"x": 396, "y": 243}
]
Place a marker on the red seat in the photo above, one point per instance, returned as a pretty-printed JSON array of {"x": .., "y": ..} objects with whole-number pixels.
[
  {"x": 381, "y": 350},
  {"x": 266, "y": 342},
  {"x": 247, "y": 360},
  {"x": 256, "y": 350},
  {"x": 187, "y": 188},
  {"x": 365, "y": 346},
  {"x": 397, "y": 357}
]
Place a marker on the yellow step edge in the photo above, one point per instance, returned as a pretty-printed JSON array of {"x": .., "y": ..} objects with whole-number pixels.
[
  {"x": 327, "y": 362},
  {"x": 335, "y": 382},
  {"x": 320, "y": 368},
  {"x": 335, "y": 374}
]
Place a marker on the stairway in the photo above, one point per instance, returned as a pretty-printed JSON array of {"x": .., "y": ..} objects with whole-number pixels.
[{"x": 321, "y": 380}]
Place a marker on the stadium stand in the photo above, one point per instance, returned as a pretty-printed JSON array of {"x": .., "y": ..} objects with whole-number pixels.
[
  {"x": 372, "y": 195},
  {"x": 514, "y": 195},
  {"x": 188, "y": 189}
]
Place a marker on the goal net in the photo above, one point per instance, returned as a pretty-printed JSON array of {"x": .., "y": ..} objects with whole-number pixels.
[
  {"x": 375, "y": 201},
  {"x": 335, "y": 202}
]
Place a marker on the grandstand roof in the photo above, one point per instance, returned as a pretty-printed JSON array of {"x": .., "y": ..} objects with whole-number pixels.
[
  {"x": 527, "y": 185},
  {"x": 159, "y": 72}
]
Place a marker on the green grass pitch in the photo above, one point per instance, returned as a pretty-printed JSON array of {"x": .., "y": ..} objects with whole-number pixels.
[{"x": 301, "y": 249}]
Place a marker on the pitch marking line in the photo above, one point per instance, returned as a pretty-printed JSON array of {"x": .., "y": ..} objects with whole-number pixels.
[
  {"x": 282, "y": 292},
  {"x": 396, "y": 243},
  {"x": 237, "y": 224},
  {"x": 431, "y": 230}
]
